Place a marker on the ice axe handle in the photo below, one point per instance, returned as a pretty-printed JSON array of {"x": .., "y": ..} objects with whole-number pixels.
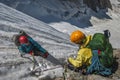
[{"x": 107, "y": 33}]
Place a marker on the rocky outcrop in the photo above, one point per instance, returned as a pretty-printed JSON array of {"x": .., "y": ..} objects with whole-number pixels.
[
  {"x": 93, "y": 4},
  {"x": 101, "y": 4}
]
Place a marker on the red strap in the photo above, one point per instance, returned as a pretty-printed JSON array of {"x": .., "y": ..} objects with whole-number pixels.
[
  {"x": 30, "y": 52},
  {"x": 45, "y": 55},
  {"x": 99, "y": 51}
]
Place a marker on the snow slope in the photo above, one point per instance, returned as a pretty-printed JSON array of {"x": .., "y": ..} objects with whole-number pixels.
[
  {"x": 11, "y": 22},
  {"x": 37, "y": 8},
  {"x": 50, "y": 12}
]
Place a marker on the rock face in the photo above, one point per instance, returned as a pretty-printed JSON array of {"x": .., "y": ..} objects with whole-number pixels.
[
  {"x": 64, "y": 9},
  {"x": 101, "y": 4},
  {"x": 93, "y": 4}
]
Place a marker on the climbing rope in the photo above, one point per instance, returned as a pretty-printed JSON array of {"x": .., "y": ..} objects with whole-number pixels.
[{"x": 97, "y": 67}]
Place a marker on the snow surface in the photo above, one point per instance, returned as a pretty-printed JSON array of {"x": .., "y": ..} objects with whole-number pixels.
[
  {"x": 54, "y": 13},
  {"x": 11, "y": 22},
  {"x": 49, "y": 31}
]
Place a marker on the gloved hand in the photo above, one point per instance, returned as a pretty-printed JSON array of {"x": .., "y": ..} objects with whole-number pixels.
[{"x": 45, "y": 55}]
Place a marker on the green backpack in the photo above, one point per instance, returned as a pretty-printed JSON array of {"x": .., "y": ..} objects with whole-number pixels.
[{"x": 101, "y": 42}]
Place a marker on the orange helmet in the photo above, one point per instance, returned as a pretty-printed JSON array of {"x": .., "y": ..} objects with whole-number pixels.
[
  {"x": 23, "y": 39},
  {"x": 77, "y": 36}
]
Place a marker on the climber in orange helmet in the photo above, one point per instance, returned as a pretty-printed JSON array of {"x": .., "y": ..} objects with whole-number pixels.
[
  {"x": 93, "y": 54},
  {"x": 84, "y": 54}
]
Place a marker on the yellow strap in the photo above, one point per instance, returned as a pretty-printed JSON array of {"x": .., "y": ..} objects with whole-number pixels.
[{"x": 88, "y": 39}]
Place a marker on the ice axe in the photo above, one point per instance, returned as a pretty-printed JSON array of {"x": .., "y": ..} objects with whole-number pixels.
[{"x": 107, "y": 33}]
